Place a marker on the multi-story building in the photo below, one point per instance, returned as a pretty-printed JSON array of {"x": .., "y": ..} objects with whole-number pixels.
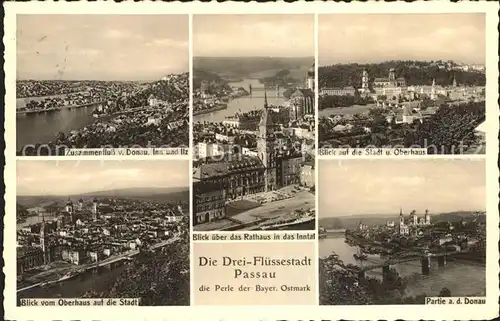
[
  {"x": 204, "y": 150},
  {"x": 216, "y": 183},
  {"x": 289, "y": 169},
  {"x": 307, "y": 177},
  {"x": 28, "y": 258},
  {"x": 346, "y": 91}
]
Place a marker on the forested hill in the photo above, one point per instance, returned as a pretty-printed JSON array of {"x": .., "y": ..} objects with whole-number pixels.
[
  {"x": 173, "y": 89},
  {"x": 415, "y": 73},
  {"x": 200, "y": 75},
  {"x": 237, "y": 68}
]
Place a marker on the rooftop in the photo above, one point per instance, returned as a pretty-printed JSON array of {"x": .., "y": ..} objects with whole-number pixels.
[{"x": 235, "y": 164}]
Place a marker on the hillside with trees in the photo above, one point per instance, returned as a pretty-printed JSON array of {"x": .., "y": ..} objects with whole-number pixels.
[
  {"x": 282, "y": 78},
  {"x": 415, "y": 73},
  {"x": 215, "y": 83},
  {"x": 450, "y": 129}
]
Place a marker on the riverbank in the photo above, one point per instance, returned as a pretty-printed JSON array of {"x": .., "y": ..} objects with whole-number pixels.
[
  {"x": 210, "y": 110},
  {"x": 57, "y": 275},
  {"x": 36, "y": 111}
]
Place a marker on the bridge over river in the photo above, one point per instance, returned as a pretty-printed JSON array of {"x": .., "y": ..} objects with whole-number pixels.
[
  {"x": 108, "y": 263},
  {"x": 425, "y": 261}
]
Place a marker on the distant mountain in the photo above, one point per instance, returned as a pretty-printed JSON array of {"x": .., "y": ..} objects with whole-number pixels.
[
  {"x": 200, "y": 75},
  {"x": 171, "y": 194},
  {"x": 151, "y": 193},
  {"x": 29, "y": 201},
  {"x": 231, "y": 68},
  {"x": 350, "y": 222}
]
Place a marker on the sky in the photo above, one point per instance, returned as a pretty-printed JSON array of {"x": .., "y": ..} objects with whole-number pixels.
[
  {"x": 371, "y": 38},
  {"x": 253, "y": 35},
  {"x": 51, "y": 177},
  {"x": 101, "y": 47},
  {"x": 359, "y": 187}
]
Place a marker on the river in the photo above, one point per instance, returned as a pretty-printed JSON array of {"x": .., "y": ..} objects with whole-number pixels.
[
  {"x": 461, "y": 278},
  {"x": 32, "y": 220},
  {"x": 98, "y": 279},
  {"x": 243, "y": 104},
  {"x": 43, "y": 127}
]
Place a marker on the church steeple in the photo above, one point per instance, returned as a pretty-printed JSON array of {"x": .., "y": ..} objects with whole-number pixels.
[
  {"x": 43, "y": 240},
  {"x": 265, "y": 145}
]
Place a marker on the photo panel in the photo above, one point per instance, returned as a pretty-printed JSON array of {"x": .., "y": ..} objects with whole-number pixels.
[
  {"x": 402, "y": 232},
  {"x": 102, "y": 230},
  {"x": 102, "y": 85},
  {"x": 254, "y": 122},
  {"x": 393, "y": 81}
]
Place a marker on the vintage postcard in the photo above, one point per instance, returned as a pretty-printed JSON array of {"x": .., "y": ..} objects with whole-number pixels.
[{"x": 294, "y": 161}]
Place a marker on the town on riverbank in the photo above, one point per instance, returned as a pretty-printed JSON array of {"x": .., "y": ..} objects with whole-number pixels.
[
  {"x": 94, "y": 244},
  {"x": 95, "y": 103},
  {"x": 253, "y": 133},
  {"x": 389, "y": 112},
  {"x": 366, "y": 257},
  {"x": 430, "y": 97}
]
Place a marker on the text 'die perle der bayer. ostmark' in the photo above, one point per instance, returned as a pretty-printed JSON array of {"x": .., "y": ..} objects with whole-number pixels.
[{"x": 239, "y": 266}]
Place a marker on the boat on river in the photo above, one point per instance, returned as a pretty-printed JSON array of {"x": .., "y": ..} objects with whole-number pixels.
[{"x": 68, "y": 276}]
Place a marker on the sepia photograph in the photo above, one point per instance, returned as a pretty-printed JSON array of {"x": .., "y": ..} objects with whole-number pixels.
[
  {"x": 114, "y": 229},
  {"x": 254, "y": 122},
  {"x": 398, "y": 232},
  {"x": 101, "y": 81},
  {"x": 403, "y": 81}
]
